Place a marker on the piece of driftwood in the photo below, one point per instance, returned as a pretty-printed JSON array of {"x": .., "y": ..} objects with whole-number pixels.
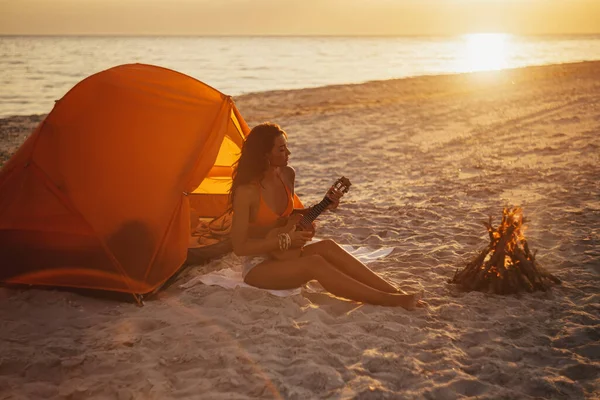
[{"x": 506, "y": 265}]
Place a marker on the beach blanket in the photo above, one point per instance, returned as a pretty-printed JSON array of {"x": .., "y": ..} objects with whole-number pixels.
[{"x": 230, "y": 277}]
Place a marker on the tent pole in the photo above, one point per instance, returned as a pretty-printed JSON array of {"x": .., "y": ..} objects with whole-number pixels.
[{"x": 139, "y": 299}]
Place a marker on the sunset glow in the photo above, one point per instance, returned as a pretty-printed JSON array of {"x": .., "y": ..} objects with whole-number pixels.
[
  {"x": 298, "y": 17},
  {"x": 485, "y": 51}
]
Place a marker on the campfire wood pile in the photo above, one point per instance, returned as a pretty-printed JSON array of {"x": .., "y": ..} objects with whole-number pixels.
[{"x": 506, "y": 265}]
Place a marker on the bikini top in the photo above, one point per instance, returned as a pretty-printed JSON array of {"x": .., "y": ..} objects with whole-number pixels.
[{"x": 265, "y": 216}]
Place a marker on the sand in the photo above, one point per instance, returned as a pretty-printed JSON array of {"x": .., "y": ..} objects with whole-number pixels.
[{"x": 430, "y": 158}]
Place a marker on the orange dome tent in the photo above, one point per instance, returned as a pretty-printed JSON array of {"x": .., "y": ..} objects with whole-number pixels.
[{"x": 99, "y": 195}]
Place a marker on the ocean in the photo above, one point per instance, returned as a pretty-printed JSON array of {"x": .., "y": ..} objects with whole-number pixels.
[{"x": 37, "y": 70}]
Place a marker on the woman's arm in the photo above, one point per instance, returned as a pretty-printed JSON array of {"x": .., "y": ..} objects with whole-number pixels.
[{"x": 243, "y": 244}]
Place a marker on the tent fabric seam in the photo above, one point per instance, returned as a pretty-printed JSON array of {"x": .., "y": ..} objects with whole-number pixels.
[
  {"x": 212, "y": 125},
  {"x": 178, "y": 207},
  {"x": 39, "y": 173}
]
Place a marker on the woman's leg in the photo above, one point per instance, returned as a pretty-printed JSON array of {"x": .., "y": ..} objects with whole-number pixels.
[
  {"x": 277, "y": 275},
  {"x": 344, "y": 261}
]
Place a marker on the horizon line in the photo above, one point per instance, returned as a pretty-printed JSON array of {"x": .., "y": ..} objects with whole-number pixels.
[{"x": 288, "y": 35}]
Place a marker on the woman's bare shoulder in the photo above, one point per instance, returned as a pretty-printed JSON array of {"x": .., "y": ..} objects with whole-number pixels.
[
  {"x": 288, "y": 173},
  {"x": 247, "y": 192}
]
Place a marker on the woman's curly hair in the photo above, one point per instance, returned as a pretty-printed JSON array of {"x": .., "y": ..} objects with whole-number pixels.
[{"x": 254, "y": 159}]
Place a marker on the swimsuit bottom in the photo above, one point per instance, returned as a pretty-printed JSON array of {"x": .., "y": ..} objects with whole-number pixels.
[{"x": 249, "y": 262}]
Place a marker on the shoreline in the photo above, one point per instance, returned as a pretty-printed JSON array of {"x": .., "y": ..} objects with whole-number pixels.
[{"x": 543, "y": 68}]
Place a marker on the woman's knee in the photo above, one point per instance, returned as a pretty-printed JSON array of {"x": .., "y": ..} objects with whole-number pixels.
[
  {"x": 324, "y": 246},
  {"x": 329, "y": 244}
]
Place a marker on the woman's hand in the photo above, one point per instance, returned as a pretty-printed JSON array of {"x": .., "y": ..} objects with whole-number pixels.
[
  {"x": 299, "y": 238},
  {"x": 334, "y": 195},
  {"x": 312, "y": 229},
  {"x": 295, "y": 218}
]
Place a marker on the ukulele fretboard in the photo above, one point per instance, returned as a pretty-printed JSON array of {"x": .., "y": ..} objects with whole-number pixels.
[{"x": 314, "y": 212}]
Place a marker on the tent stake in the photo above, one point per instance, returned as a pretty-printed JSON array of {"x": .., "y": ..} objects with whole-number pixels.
[{"x": 139, "y": 299}]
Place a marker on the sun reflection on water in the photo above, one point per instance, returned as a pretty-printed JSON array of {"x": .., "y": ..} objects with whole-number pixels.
[{"x": 485, "y": 51}]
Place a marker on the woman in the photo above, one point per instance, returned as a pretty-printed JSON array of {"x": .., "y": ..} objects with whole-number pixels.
[{"x": 261, "y": 194}]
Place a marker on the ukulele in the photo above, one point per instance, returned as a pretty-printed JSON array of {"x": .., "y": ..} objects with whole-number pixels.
[{"x": 305, "y": 222}]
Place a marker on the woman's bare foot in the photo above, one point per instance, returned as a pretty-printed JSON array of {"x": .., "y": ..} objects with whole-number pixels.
[{"x": 410, "y": 301}]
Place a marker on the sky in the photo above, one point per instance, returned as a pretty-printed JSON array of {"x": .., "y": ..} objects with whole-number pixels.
[{"x": 297, "y": 17}]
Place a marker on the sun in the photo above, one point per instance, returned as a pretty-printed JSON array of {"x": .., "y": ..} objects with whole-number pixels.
[{"x": 485, "y": 51}]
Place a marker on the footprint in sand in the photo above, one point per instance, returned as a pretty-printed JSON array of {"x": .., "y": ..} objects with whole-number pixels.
[
  {"x": 581, "y": 372},
  {"x": 469, "y": 387}
]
